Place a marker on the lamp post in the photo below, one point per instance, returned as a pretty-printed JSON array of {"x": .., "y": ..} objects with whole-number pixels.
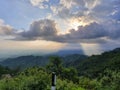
[{"x": 53, "y": 81}]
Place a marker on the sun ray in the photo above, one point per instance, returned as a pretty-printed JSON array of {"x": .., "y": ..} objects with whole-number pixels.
[{"x": 74, "y": 23}]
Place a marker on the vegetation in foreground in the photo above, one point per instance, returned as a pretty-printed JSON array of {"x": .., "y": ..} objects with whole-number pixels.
[{"x": 100, "y": 72}]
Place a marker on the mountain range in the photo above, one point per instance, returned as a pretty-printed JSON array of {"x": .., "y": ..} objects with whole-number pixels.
[
  {"x": 29, "y": 61},
  {"x": 81, "y": 62}
]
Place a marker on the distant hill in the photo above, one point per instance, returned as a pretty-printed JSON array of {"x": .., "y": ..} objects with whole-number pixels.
[
  {"x": 29, "y": 61},
  {"x": 25, "y": 61},
  {"x": 1, "y": 59},
  {"x": 96, "y": 72},
  {"x": 69, "y": 52},
  {"x": 88, "y": 66}
]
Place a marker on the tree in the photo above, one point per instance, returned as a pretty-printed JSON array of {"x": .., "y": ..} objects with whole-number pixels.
[
  {"x": 70, "y": 74},
  {"x": 55, "y": 65}
]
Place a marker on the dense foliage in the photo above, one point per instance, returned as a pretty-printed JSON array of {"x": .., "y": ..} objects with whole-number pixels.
[
  {"x": 35, "y": 79},
  {"x": 98, "y": 72}
]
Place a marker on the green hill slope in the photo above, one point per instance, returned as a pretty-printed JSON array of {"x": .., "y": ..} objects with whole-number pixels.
[
  {"x": 97, "y": 72},
  {"x": 96, "y": 64}
]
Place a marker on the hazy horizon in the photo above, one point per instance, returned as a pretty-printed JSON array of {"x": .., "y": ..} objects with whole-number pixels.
[{"x": 33, "y": 27}]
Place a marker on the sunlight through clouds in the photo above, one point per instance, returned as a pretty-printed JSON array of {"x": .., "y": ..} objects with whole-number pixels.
[
  {"x": 53, "y": 25},
  {"x": 90, "y": 49}
]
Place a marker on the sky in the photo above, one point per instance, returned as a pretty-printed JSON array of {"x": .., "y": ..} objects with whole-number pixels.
[{"x": 47, "y": 26}]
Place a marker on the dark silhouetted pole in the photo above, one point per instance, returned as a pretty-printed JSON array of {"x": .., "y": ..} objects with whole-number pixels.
[{"x": 53, "y": 81}]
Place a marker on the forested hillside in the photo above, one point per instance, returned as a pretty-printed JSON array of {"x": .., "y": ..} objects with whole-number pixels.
[
  {"x": 25, "y": 61},
  {"x": 97, "y": 72},
  {"x": 97, "y": 64},
  {"x": 30, "y": 61}
]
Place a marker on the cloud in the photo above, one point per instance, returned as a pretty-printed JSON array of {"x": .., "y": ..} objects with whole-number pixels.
[
  {"x": 96, "y": 32},
  {"x": 40, "y": 29},
  {"x": 40, "y": 3},
  {"x": 6, "y": 29},
  {"x": 93, "y": 33},
  {"x": 113, "y": 28},
  {"x": 69, "y": 8},
  {"x": 71, "y": 3},
  {"x": 87, "y": 10},
  {"x": 46, "y": 29}
]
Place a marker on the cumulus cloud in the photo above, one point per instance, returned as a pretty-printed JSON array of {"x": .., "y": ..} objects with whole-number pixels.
[
  {"x": 96, "y": 32},
  {"x": 6, "y": 29},
  {"x": 93, "y": 33},
  {"x": 40, "y": 3},
  {"x": 46, "y": 29},
  {"x": 40, "y": 29},
  {"x": 114, "y": 29}
]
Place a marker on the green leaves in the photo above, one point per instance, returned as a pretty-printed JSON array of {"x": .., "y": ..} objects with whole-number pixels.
[{"x": 98, "y": 72}]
